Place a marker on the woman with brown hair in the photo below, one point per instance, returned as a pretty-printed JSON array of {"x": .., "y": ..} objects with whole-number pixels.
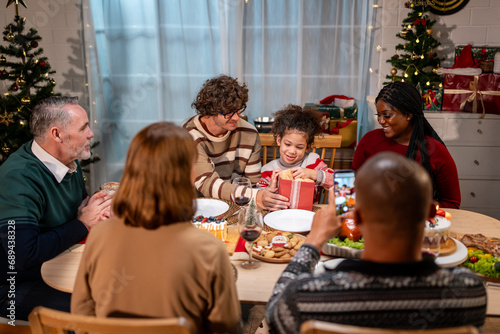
[{"x": 149, "y": 260}]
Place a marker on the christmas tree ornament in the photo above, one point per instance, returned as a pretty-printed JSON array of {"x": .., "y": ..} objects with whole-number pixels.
[
  {"x": 430, "y": 55},
  {"x": 396, "y": 56},
  {"x": 7, "y": 118},
  {"x": 429, "y": 31},
  {"x": 4, "y": 72},
  {"x": 26, "y": 100},
  {"x": 434, "y": 70},
  {"x": 52, "y": 82},
  {"x": 407, "y": 4},
  {"x": 10, "y": 37},
  {"x": 42, "y": 64},
  {"x": 34, "y": 44},
  {"x": 3, "y": 60},
  {"x": 394, "y": 71},
  {"x": 15, "y": 88},
  {"x": 20, "y": 81},
  {"x": 5, "y": 149},
  {"x": 404, "y": 32}
]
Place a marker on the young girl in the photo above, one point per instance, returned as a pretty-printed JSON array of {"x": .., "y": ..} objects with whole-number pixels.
[{"x": 294, "y": 130}]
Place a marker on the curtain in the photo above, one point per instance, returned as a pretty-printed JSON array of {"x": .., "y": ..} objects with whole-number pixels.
[{"x": 147, "y": 59}]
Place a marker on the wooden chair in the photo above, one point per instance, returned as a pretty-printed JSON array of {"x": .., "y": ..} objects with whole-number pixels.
[
  {"x": 324, "y": 145},
  {"x": 44, "y": 321},
  {"x": 320, "y": 327}
]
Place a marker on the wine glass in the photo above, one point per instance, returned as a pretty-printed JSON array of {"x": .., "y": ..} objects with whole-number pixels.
[
  {"x": 250, "y": 228},
  {"x": 242, "y": 190}
]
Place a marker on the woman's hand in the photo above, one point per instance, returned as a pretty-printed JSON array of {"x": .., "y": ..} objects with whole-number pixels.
[{"x": 305, "y": 173}]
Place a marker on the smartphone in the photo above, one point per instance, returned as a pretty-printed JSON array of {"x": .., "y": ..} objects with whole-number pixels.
[{"x": 343, "y": 183}]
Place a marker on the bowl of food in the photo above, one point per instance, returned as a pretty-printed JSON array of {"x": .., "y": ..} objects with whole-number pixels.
[{"x": 263, "y": 124}]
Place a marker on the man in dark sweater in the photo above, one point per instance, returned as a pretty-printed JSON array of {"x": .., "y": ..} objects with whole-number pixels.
[
  {"x": 393, "y": 285},
  {"x": 44, "y": 207}
]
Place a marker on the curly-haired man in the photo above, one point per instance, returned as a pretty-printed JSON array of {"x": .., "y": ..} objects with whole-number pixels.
[{"x": 228, "y": 146}]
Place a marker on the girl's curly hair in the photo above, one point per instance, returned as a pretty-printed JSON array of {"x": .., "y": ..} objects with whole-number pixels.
[
  {"x": 293, "y": 117},
  {"x": 220, "y": 94}
]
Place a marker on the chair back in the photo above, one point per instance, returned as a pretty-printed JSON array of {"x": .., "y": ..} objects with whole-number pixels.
[
  {"x": 324, "y": 145},
  {"x": 320, "y": 327},
  {"x": 43, "y": 319}
]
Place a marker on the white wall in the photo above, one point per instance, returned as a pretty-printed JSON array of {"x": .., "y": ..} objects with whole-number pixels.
[
  {"x": 478, "y": 23},
  {"x": 58, "y": 23}
]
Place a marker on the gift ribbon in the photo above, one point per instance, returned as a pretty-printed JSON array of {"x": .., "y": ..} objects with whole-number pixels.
[
  {"x": 474, "y": 96},
  {"x": 339, "y": 126},
  {"x": 430, "y": 98},
  {"x": 420, "y": 21},
  {"x": 325, "y": 122},
  {"x": 295, "y": 194}
]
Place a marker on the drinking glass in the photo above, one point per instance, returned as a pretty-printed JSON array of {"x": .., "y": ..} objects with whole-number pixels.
[
  {"x": 250, "y": 227},
  {"x": 242, "y": 190},
  {"x": 431, "y": 242}
]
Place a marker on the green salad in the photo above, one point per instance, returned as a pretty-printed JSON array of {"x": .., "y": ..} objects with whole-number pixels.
[
  {"x": 482, "y": 263},
  {"x": 347, "y": 243}
]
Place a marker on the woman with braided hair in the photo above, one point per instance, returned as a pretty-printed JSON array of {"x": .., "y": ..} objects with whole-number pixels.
[{"x": 406, "y": 131}]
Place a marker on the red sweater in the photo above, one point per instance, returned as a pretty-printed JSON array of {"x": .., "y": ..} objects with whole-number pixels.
[{"x": 442, "y": 165}]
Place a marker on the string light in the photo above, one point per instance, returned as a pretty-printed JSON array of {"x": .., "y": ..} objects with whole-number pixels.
[
  {"x": 428, "y": 83},
  {"x": 416, "y": 73},
  {"x": 418, "y": 41},
  {"x": 409, "y": 26},
  {"x": 406, "y": 75},
  {"x": 440, "y": 85}
]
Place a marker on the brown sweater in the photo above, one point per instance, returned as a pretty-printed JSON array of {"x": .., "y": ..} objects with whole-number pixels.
[
  {"x": 220, "y": 159},
  {"x": 173, "y": 271}
]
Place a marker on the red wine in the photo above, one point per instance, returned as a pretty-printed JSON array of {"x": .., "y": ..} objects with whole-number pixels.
[
  {"x": 241, "y": 200},
  {"x": 250, "y": 235}
]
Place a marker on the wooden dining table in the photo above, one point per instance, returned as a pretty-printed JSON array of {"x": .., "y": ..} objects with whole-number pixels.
[{"x": 255, "y": 286}]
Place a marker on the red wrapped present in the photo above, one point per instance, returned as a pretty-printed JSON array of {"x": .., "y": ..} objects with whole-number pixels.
[
  {"x": 300, "y": 194},
  {"x": 479, "y": 93}
]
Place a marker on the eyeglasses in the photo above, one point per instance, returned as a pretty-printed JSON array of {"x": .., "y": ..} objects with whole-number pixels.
[{"x": 231, "y": 114}]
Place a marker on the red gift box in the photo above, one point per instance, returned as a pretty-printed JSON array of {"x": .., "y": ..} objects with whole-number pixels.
[
  {"x": 300, "y": 194},
  {"x": 479, "y": 93}
]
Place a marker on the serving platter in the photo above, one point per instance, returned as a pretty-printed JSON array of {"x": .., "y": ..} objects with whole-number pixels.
[
  {"x": 454, "y": 259},
  {"x": 248, "y": 247}
]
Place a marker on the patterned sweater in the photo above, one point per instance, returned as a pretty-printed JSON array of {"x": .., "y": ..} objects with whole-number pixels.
[
  {"x": 220, "y": 159},
  {"x": 311, "y": 160},
  {"x": 417, "y": 295}
]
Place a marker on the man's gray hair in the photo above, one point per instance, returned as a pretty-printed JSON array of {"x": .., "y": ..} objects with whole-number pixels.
[{"x": 50, "y": 112}]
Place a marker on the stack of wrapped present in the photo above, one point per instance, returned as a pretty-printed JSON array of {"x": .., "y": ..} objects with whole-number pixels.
[
  {"x": 469, "y": 86},
  {"x": 339, "y": 115}
]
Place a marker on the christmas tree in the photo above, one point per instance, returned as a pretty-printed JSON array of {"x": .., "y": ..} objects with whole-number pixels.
[
  {"x": 25, "y": 77},
  {"x": 418, "y": 62}
]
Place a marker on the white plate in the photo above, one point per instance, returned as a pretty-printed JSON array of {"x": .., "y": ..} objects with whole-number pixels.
[
  {"x": 455, "y": 258},
  {"x": 290, "y": 220},
  {"x": 210, "y": 207}
]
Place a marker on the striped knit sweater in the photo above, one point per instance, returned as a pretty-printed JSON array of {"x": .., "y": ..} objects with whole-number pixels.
[
  {"x": 417, "y": 295},
  {"x": 220, "y": 159}
]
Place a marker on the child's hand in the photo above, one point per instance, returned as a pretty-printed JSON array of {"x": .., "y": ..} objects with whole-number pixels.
[
  {"x": 273, "y": 184},
  {"x": 305, "y": 173}
]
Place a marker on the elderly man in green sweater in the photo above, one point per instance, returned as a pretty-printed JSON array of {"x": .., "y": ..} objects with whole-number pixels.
[
  {"x": 44, "y": 207},
  {"x": 228, "y": 146}
]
